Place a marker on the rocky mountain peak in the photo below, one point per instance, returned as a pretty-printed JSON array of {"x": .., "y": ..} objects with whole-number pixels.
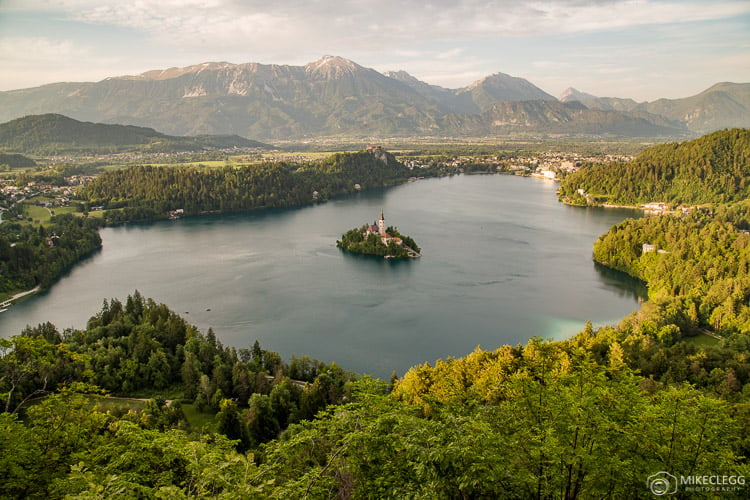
[
  {"x": 332, "y": 67},
  {"x": 401, "y": 76},
  {"x": 167, "y": 74},
  {"x": 500, "y": 87},
  {"x": 571, "y": 94},
  {"x": 478, "y": 83}
]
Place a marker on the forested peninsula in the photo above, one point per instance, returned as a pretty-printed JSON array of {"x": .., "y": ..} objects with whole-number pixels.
[
  {"x": 694, "y": 257},
  {"x": 149, "y": 193},
  {"x": 599, "y": 415},
  {"x": 36, "y": 256}
]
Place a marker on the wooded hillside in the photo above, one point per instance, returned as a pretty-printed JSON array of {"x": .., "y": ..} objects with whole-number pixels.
[
  {"x": 149, "y": 192},
  {"x": 712, "y": 169}
]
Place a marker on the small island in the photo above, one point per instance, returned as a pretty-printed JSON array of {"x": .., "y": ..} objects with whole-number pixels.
[{"x": 377, "y": 239}]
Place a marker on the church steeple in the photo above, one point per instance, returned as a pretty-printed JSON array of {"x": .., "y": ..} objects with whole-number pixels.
[{"x": 381, "y": 223}]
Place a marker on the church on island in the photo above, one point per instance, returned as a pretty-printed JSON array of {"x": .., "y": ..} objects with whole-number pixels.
[
  {"x": 378, "y": 228},
  {"x": 379, "y": 239}
]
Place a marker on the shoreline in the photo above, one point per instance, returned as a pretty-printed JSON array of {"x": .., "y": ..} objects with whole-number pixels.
[
  {"x": 612, "y": 205},
  {"x": 10, "y": 301},
  {"x": 27, "y": 292},
  {"x": 566, "y": 201}
]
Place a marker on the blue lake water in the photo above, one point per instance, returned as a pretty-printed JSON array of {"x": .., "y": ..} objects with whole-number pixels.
[{"x": 502, "y": 261}]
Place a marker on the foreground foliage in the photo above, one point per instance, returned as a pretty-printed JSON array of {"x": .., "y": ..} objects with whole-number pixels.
[{"x": 546, "y": 420}]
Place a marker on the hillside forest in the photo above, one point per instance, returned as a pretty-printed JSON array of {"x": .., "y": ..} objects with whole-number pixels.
[
  {"x": 147, "y": 192},
  {"x": 36, "y": 256},
  {"x": 712, "y": 169}
]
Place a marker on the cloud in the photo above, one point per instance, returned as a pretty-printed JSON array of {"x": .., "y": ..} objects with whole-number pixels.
[
  {"x": 450, "y": 54},
  {"x": 623, "y": 14},
  {"x": 30, "y": 61},
  {"x": 547, "y": 65},
  {"x": 283, "y": 24},
  {"x": 39, "y": 50},
  {"x": 23, "y": 56}
]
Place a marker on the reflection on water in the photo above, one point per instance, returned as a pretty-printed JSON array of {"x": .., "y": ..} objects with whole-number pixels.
[{"x": 621, "y": 283}]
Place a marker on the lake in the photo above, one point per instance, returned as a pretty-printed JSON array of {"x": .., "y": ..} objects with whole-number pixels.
[{"x": 502, "y": 261}]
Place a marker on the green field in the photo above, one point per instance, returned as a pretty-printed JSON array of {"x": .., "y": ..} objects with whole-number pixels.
[
  {"x": 117, "y": 404},
  {"x": 702, "y": 340},
  {"x": 207, "y": 164},
  {"x": 36, "y": 213},
  {"x": 99, "y": 214},
  {"x": 198, "y": 419},
  {"x": 42, "y": 215}
]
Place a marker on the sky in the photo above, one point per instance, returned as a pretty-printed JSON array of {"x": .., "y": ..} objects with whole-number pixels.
[{"x": 639, "y": 49}]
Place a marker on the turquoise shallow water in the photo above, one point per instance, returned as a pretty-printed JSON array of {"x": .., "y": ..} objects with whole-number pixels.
[{"x": 502, "y": 261}]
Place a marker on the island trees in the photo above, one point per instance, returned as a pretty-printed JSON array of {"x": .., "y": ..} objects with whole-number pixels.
[{"x": 390, "y": 244}]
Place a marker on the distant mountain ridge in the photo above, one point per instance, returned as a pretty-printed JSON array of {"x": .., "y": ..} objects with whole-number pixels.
[
  {"x": 723, "y": 105},
  {"x": 476, "y": 97},
  {"x": 53, "y": 133},
  {"x": 334, "y": 96},
  {"x": 570, "y": 94},
  {"x": 556, "y": 117}
]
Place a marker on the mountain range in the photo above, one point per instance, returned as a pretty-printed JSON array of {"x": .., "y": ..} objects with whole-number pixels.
[
  {"x": 724, "y": 105},
  {"x": 337, "y": 97}
]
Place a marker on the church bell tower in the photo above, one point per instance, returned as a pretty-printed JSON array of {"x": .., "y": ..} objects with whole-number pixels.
[{"x": 381, "y": 223}]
